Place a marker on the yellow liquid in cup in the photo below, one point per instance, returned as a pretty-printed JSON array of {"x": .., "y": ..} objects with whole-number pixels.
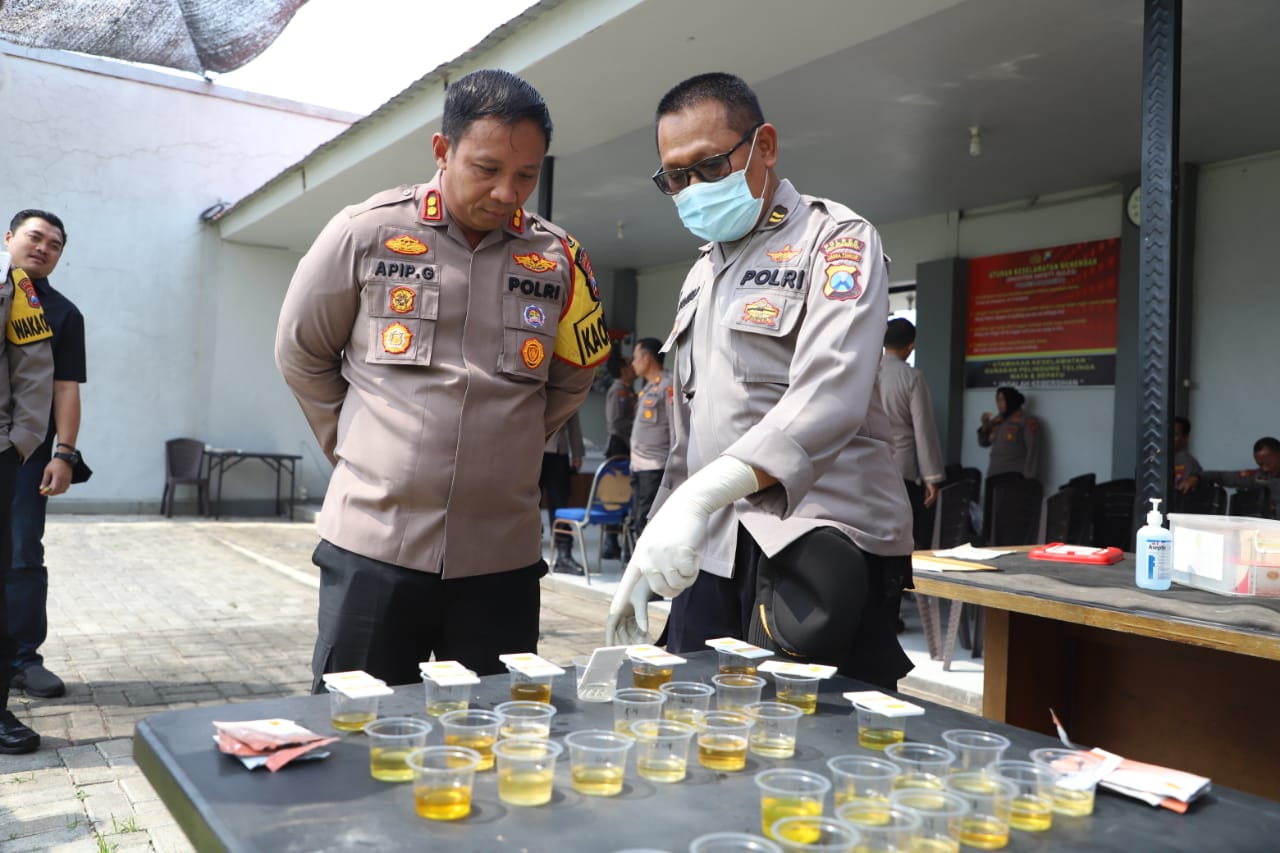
[
  {"x": 623, "y": 727},
  {"x": 722, "y": 752},
  {"x": 807, "y": 702},
  {"x": 870, "y": 817},
  {"x": 773, "y": 745},
  {"x": 525, "y": 787},
  {"x": 445, "y": 803},
  {"x": 531, "y": 691},
  {"x": 1072, "y": 803},
  {"x": 776, "y": 808},
  {"x": 915, "y": 779},
  {"x": 525, "y": 729},
  {"x": 482, "y": 744},
  {"x": 1031, "y": 814},
  {"x": 388, "y": 765},
  {"x": 597, "y": 781},
  {"x": 682, "y": 715},
  {"x": 438, "y": 709},
  {"x": 848, "y": 795},
  {"x": 354, "y": 721},
  {"x": 879, "y": 738},
  {"x": 935, "y": 845},
  {"x": 985, "y": 833},
  {"x": 662, "y": 769},
  {"x": 737, "y": 669},
  {"x": 977, "y": 785},
  {"x": 653, "y": 679}
]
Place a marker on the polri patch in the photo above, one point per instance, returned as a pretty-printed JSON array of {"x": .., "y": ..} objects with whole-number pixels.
[
  {"x": 432, "y": 210},
  {"x": 402, "y": 299},
  {"x": 396, "y": 339},
  {"x": 532, "y": 352},
  {"x": 406, "y": 245},
  {"x": 535, "y": 316},
  {"x": 534, "y": 262},
  {"x": 761, "y": 312},
  {"x": 843, "y": 282}
]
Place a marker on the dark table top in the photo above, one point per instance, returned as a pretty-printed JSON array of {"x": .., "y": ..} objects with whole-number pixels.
[{"x": 334, "y": 804}]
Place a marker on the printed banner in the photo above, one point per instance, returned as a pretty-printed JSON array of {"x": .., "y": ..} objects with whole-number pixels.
[{"x": 1044, "y": 318}]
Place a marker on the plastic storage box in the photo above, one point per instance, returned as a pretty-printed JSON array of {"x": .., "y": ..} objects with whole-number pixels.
[{"x": 1229, "y": 555}]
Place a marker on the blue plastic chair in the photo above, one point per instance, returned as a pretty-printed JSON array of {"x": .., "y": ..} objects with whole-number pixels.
[{"x": 608, "y": 504}]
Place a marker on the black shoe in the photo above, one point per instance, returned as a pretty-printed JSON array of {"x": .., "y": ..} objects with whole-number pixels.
[
  {"x": 38, "y": 681},
  {"x": 566, "y": 565},
  {"x": 16, "y": 738},
  {"x": 612, "y": 551}
]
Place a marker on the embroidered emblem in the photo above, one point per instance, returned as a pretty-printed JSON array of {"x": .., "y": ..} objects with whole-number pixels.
[
  {"x": 534, "y": 262},
  {"x": 533, "y": 352},
  {"x": 431, "y": 209},
  {"x": 517, "y": 221},
  {"x": 396, "y": 339},
  {"x": 782, "y": 255},
  {"x": 402, "y": 299},
  {"x": 584, "y": 264},
  {"x": 776, "y": 215},
  {"x": 648, "y": 414},
  {"x": 843, "y": 282},
  {"x": 535, "y": 316},
  {"x": 843, "y": 249},
  {"x": 30, "y": 290},
  {"x": 761, "y": 312},
  {"x": 406, "y": 245}
]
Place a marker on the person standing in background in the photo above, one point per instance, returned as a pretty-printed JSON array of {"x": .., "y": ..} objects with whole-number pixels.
[
  {"x": 651, "y": 432},
  {"x": 1184, "y": 464},
  {"x": 561, "y": 459},
  {"x": 620, "y": 417},
  {"x": 1012, "y": 435}
]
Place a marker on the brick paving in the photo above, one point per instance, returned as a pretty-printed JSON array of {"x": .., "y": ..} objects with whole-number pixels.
[{"x": 152, "y": 615}]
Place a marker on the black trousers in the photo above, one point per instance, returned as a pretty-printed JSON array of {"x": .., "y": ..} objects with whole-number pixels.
[
  {"x": 618, "y": 446},
  {"x": 385, "y": 619},
  {"x": 556, "y": 480},
  {"x": 644, "y": 488},
  {"x": 723, "y": 607},
  {"x": 921, "y": 516},
  {"x": 8, "y": 474}
]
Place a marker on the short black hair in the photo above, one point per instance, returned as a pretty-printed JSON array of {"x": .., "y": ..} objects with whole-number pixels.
[
  {"x": 742, "y": 107},
  {"x": 1185, "y": 423},
  {"x": 653, "y": 346},
  {"x": 1013, "y": 398},
  {"x": 900, "y": 333},
  {"x": 1267, "y": 443},
  {"x": 614, "y": 364},
  {"x": 492, "y": 93},
  {"x": 31, "y": 213}
]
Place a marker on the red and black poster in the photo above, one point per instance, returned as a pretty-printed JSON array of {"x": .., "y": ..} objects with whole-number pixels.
[{"x": 1044, "y": 318}]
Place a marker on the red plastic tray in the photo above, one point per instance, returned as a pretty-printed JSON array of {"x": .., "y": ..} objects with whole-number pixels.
[{"x": 1061, "y": 553}]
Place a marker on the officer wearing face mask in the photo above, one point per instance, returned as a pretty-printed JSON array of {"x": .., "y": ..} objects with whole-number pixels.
[{"x": 782, "y": 518}]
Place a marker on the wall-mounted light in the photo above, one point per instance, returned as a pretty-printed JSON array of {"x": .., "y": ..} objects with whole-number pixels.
[{"x": 975, "y": 141}]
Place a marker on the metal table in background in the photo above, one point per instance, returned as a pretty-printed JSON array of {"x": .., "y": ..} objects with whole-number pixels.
[
  {"x": 223, "y": 459},
  {"x": 333, "y": 804}
]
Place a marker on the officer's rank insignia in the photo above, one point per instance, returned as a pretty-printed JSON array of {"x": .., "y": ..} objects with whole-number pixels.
[
  {"x": 776, "y": 215},
  {"x": 431, "y": 209},
  {"x": 534, "y": 262},
  {"x": 761, "y": 312},
  {"x": 517, "y": 221},
  {"x": 648, "y": 414},
  {"x": 843, "y": 249},
  {"x": 396, "y": 339},
  {"x": 843, "y": 282},
  {"x": 535, "y": 316},
  {"x": 533, "y": 352},
  {"x": 406, "y": 245},
  {"x": 27, "y": 323},
  {"x": 402, "y": 299},
  {"x": 782, "y": 255}
]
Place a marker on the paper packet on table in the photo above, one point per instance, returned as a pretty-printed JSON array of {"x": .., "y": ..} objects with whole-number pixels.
[
  {"x": 1153, "y": 784},
  {"x": 271, "y": 743}
]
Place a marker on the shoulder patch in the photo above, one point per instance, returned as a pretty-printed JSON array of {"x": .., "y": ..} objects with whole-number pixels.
[
  {"x": 398, "y": 195},
  {"x": 776, "y": 215},
  {"x": 27, "y": 323},
  {"x": 432, "y": 208},
  {"x": 582, "y": 338}
]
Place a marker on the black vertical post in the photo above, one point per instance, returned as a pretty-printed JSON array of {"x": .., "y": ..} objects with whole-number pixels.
[
  {"x": 546, "y": 183},
  {"x": 1161, "y": 62}
]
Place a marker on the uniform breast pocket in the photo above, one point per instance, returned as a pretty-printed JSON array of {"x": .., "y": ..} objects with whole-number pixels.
[
  {"x": 762, "y": 328},
  {"x": 528, "y": 337},
  {"x": 679, "y": 340},
  {"x": 402, "y": 321}
]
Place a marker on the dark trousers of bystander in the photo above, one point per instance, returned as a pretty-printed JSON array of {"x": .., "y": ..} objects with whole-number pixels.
[
  {"x": 27, "y": 586},
  {"x": 921, "y": 516},
  {"x": 385, "y": 619},
  {"x": 8, "y": 472},
  {"x": 556, "y": 480},
  {"x": 644, "y": 488}
]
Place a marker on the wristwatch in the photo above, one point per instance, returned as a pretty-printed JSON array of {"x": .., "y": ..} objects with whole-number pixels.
[{"x": 72, "y": 458}]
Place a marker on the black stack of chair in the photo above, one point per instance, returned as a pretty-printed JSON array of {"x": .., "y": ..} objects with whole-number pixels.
[{"x": 1113, "y": 510}]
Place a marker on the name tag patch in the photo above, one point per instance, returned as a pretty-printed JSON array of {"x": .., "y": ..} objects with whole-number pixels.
[{"x": 400, "y": 270}]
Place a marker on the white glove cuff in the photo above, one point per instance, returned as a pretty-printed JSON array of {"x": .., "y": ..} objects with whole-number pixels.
[{"x": 718, "y": 484}]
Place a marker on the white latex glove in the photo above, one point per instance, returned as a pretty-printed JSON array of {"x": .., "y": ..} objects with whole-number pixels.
[
  {"x": 628, "y": 622},
  {"x": 665, "y": 554}
]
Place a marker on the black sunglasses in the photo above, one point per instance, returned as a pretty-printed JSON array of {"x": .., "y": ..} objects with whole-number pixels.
[{"x": 712, "y": 169}]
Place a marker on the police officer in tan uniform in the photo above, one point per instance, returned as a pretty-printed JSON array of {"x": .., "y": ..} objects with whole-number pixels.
[
  {"x": 26, "y": 398},
  {"x": 561, "y": 459},
  {"x": 436, "y": 336},
  {"x": 1012, "y": 435},
  {"x": 904, "y": 393},
  {"x": 652, "y": 431},
  {"x": 781, "y": 467},
  {"x": 1266, "y": 453}
]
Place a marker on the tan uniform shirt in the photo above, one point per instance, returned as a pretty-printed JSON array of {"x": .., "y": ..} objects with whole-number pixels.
[
  {"x": 567, "y": 441},
  {"x": 1014, "y": 443},
  {"x": 26, "y": 364},
  {"x": 432, "y": 375},
  {"x": 651, "y": 435},
  {"x": 776, "y": 348},
  {"x": 620, "y": 410},
  {"x": 905, "y": 397}
]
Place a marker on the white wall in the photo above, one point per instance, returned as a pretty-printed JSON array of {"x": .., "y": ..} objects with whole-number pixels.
[
  {"x": 657, "y": 292},
  {"x": 129, "y": 158}
]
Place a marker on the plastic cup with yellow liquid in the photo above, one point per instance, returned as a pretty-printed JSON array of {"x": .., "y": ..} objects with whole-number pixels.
[
  {"x": 788, "y": 792},
  {"x": 391, "y": 739},
  {"x": 474, "y": 729},
  {"x": 526, "y": 770},
  {"x": 443, "y": 777}
]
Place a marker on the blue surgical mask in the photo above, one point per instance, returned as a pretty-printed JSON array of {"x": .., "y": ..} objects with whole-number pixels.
[{"x": 722, "y": 211}]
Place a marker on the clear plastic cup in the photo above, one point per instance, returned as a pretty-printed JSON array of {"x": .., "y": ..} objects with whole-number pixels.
[
  {"x": 391, "y": 739},
  {"x": 633, "y": 704},
  {"x": 798, "y": 690},
  {"x": 650, "y": 676},
  {"x": 662, "y": 749},
  {"x": 526, "y": 770},
  {"x": 474, "y": 729},
  {"x": 735, "y": 664},
  {"x": 1032, "y": 807},
  {"x": 923, "y": 764},
  {"x": 723, "y": 739},
  {"x": 598, "y": 761},
  {"x": 525, "y": 719},
  {"x": 443, "y": 698},
  {"x": 686, "y": 699},
  {"x": 530, "y": 688},
  {"x": 1077, "y": 782},
  {"x": 883, "y": 827},
  {"x": 774, "y": 734},
  {"x": 601, "y": 688},
  {"x": 986, "y": 826},
  {"x": 732, "y": 842},
  {"x": 735, "y": 692},
  {"x": 941, "y": 814},
  {"x": 785, "y": 792},
  {"x": 800, "y": 834},
  {"x": 876, "y": 731},
  {"x": 974, "y": 749},
  {"x": 348, "y": 714},
  {"x": 443, "y": 777},
  {"x": 862, "y": 777}
]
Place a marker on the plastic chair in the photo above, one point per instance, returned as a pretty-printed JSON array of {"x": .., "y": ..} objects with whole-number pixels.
[
  {"x": 951, "y": 527},
  {"x": 1015, "y": 511},
  {"x": 1113, "y": 503},
  {"x": 184, "y": 466},
  {"x": 608, "y": 503},
  {"x": 1206, "y": 499},
  {"x": 1251, "y": 502},
  {"x": 1056, "y": 516}
]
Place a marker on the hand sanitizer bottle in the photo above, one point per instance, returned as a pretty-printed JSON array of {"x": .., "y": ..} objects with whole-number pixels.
[{"x": 1155, "y": 551}]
